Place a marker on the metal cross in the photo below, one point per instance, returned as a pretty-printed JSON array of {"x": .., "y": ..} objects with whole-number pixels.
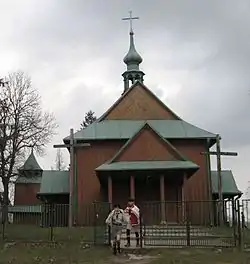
[
  {"x": 130, "y": 18},
  {"x": 73, "y": 177},
  {"x": 219, "y": 153}
]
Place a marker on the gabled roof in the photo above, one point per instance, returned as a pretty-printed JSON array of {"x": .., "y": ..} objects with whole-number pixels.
[
  {"x": 136, "y": 84},
  {"x": 125, "y": 129},
  {"x": 55, "y": 182},
  {"x": 51, "y": 182},
  {"x": 229, "y": 186},
  {"x": 137, "y": 134},
  {"x": 31, "y": 164}
]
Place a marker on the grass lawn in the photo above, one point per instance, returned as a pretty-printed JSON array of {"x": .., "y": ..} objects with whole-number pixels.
[
  {"x": 63, "y": 253},
  {"x": 49, "y": 253}
]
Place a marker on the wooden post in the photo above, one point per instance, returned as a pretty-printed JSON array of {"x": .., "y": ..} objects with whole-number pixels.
[
  {"x": 132, "y": 186},
  {"x": 218, "y": 150},
  {"x": 209, "y": 187},
  {"x": 183, "y": 198},
  {"x": 162, "y": 192},
  {"x": 110, "y": 192},
  {"x": 218, "y": 154},
  {"x": 73, "y": 177}
]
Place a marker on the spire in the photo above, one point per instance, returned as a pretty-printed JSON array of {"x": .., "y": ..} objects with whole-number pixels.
[
  {"x": 132, "y": 59},
  {"x": 31, "y": 167}
]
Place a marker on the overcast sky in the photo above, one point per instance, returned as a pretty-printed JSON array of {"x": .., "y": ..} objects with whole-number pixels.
[{"x": 196, "y": 59}]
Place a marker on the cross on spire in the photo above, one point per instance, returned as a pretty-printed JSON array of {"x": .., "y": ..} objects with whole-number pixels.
[{"x": 130, "y": 18}]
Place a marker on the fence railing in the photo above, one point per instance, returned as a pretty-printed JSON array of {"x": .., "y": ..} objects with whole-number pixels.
[
  {"x": 189, "y": 223},
  {"x": 49, "y": 222}
]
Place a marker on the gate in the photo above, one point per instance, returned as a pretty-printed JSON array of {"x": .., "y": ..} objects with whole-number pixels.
[
  {"x": 244, "y": 225},
  {"x": 180, "y": 224},
  {"x": 101, "y": 231}
]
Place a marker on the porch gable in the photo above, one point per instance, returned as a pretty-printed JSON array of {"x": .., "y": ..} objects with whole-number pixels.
[{"x": 147, "y": 145}]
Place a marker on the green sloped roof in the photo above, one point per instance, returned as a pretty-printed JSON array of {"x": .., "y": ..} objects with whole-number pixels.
[
  {"x": 125, "y": 129},
  {"x": 27, "y": 180},
  {"x": 228, "y": 182},
  {"x": 54, "y": 182},
  {"x": 147, "y": 165},
  {"x": 25, "y": 209},
  {"x": 31, "y": 164}
]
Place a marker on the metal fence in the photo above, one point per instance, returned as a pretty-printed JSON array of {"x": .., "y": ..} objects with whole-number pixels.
[
  {"x": 244, "y": 211},
  {"x": 49, "y": 222},
  {"x": 169, "y": 224},
  {"x": 189, "y": 223}
]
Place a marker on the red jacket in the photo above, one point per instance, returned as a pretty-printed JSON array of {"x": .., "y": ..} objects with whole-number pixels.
[{"x": 134, "y": 213}]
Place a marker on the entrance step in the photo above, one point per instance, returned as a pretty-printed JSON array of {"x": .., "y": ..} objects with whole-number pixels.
[
  {"x": 176, "y": 236},
  {"x": 173, "y": 231}
]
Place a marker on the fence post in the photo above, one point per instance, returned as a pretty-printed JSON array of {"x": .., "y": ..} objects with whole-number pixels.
[
  {"x": 95, "y": 219},
  {"x": 3, "y": 229},
  {"x": 187, "y": 224},
  {"x": 141, "y": 237},
  {"x": 242, "y": 229},
  {"x": 4, "y": 209},
  {"x": 109, "y": 227},
  {"x": 234, "y": 221},
  {"x": 51, "y": 220},
  {"x": 239, "y": 225}
]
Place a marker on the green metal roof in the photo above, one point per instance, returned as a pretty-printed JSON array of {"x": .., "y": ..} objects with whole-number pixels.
[
  {"x": 147, "y": 165},
  {"x": 26, "y": 180},
  {"x": 54, "y": 182},
  {"x": 25, "y": 209},
  {"x": 125, "y": 129},
  {"x": 31, "y": 164},
  {"x": 228, "y": 182}
]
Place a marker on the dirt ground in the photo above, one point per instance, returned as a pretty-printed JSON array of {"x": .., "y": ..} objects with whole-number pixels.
[{"x": 83, "y": 253}]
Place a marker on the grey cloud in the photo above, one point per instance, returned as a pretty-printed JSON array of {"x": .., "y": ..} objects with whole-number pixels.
[{"x": 200, "y": 46}]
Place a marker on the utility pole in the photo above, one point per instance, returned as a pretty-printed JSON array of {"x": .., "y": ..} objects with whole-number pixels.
[
  {"x": 72, "y": 175},
  {"x": 218, "y": 154}
]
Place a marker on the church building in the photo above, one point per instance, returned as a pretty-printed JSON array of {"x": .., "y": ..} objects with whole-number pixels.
[{"x": 138, "y": 148}]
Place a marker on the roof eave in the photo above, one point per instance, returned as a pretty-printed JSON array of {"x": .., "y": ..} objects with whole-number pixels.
[
  {"x": 126, "y": 138},
  {"x": 39, "y": 194}
]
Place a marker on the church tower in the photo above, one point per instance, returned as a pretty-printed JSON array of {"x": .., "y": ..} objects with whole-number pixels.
[
  {"x": 132, "y": 60},
  {"x": 31, "y": 168}
]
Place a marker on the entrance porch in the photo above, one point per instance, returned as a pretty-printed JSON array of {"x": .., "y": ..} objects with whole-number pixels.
[{"x": 159, "y": 191}]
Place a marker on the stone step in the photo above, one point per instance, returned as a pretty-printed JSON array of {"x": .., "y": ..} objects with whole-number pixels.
[{"x": 170, "y": 232}]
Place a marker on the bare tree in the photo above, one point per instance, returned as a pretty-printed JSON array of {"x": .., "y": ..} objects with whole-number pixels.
[
  {"x": 23, "y": 125},
  {"x": 59, "y": 163},
  {"x": 3, "y": 83}
]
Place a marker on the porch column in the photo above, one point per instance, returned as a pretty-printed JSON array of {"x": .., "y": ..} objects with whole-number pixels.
[
  {"x": 162, "y": 192},
  {"x": 183, "y": 198},
  {"x": 132, "y": 186},
  {"x": 110, "y": 192}
]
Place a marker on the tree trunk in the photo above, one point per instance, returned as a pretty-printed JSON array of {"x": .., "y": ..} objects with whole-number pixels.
[{"x": 5, "y": 199}]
